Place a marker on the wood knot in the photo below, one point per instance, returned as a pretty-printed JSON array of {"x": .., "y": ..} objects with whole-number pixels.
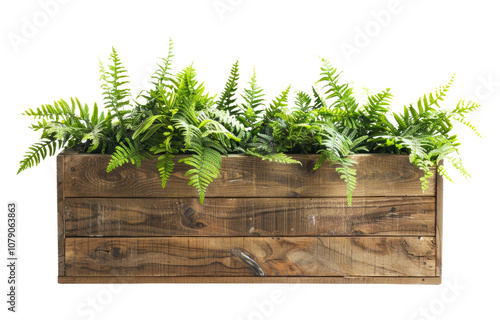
[
  {"x": 191, "y": 219},
  {"x": 356, "y": 233},
  {"x": 377, "y": 246},
  {"x": 200, "y": 225},
  {"x": 115, "y": 252}
]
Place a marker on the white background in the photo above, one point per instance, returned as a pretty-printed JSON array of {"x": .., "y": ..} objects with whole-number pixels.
[{"x": 410, "y": 46}]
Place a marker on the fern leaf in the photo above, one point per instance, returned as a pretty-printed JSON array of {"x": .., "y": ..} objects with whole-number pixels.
[
  {"x": 206, "y": 162},
  {"x": 148, "y": 122},
  {"x": 127, "y": 152},
  {"x": 228, "y": 99},
  {"x": 444, "y": 173},
  {"x": 165, "y": 167},
  {"x": 463, "y": 108},
  {"x": 342, "y": 92},
  {"x": 376, "y": 105},
  {"x": 439, "y": 95},
  {"x": 115, "y": 95},
  {"x": 253, "y": 97},
  {"x": 223, "y": 117},
  {"x": 278, "y": 105},
  {"x": 37, "y": 152},
  {"x": 303, "y": 101},
  {"x": 345, "y": 168},
  {"x": 163, "y": 74},
  {"x": 468, "y": 124},
  {"x": 274, "y": 157},
  {"x": 348, "y": 174},
  {"x": 416, "y": 146}
]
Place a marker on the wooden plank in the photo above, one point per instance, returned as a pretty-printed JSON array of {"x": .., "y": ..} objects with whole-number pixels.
[
  {"x": 439, "y": 225},
  {"x": 245, "y": 176},
  {"x": 364, "y": 280},
  {"x": 273, "y": 257},
  {"x": 250, "y": 216},
  {"x": 60, "y": 214}
]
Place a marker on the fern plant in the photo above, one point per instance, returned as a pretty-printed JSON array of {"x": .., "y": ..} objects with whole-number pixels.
[
  {"x": 177, "y": 116},
  {"x": 181, "y": 118}
]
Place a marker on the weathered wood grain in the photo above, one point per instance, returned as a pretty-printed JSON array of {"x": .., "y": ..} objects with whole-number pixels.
[
  {"x": 439, "y": 225},
  {"x": 60, "y": 215},
  {"x": 250, "y": 216},
  {"x": 343, "y": 280},
  {"x": 277, "y": 257},
  {"x": 244, "y": 176}
]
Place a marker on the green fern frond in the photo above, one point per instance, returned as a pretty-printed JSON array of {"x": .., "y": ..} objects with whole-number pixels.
[
  {"x": 145, "y": 125},
  {"x": 188, "y": 131},
  {"x": 319, "y": 101},
  {"x": 254, "y": 98},
  {"x": 279, "y": 157},
  {"x": 425, "y": 166},
  {"x": 187, "y": 110},
  {"x": 264, "y": 143},
  {"x": 225, "y": 118},
  {"x": 348, "y": 174},
  {"x": 376, "y": 104},
  {"x": 37, "y": 152},
  {"x": 210, "y": 126},
  {"x": 416, "y": 145},
  {"x": 321, "y": 160},
  {"x": 187, "y": 85},
  {"x": 338, "y": 146},
  {"x": 468, "y": 124},
  {"x": 95, "y": 135},
  {"x": 60, "y": 109},
  {"x": 126, "y": 152},
  {"x": 40, "y": 125},
  {"x": 457, "y": 164},
  {"x": 280, "y": 130},
  {"x": 278, "y": 105},
  {"x": 115, "y": 95},
  {"x": 163, "y": 74},
  {"x": 441, "y": 170},
  {"x": 206, "y": 161},
  {"x": 165, "y": 167},
  {"x": 345, "y": 168},
  {"x": 227, "y": 101},
  {"x": 442, "y": 147},
  {"x": 426, "y": 102},
  {"x": 343, "y": 94},
  {"x": 114, "y": 77},
  {"x": 342, "y": 144},
  {"x": 462, "y": 108},
  {"x": 303, "y": 101}
]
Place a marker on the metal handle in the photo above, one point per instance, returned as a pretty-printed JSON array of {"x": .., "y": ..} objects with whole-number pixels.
[{"x": 257, "y": 270}]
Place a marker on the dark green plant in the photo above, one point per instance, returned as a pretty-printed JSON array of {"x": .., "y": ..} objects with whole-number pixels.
[{"x": 178, "y": 116}]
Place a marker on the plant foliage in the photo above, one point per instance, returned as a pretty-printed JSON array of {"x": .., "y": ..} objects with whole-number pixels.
[{"x": 177, "y": 116}]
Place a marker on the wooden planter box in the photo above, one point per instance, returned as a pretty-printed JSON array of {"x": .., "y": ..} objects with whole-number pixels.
[{"x": 261, "y": 222}]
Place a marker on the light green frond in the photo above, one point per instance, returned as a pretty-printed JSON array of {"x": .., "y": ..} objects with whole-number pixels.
[
  {"x": 37, "y": 152},
  {"x": 126, "y": 152}
]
